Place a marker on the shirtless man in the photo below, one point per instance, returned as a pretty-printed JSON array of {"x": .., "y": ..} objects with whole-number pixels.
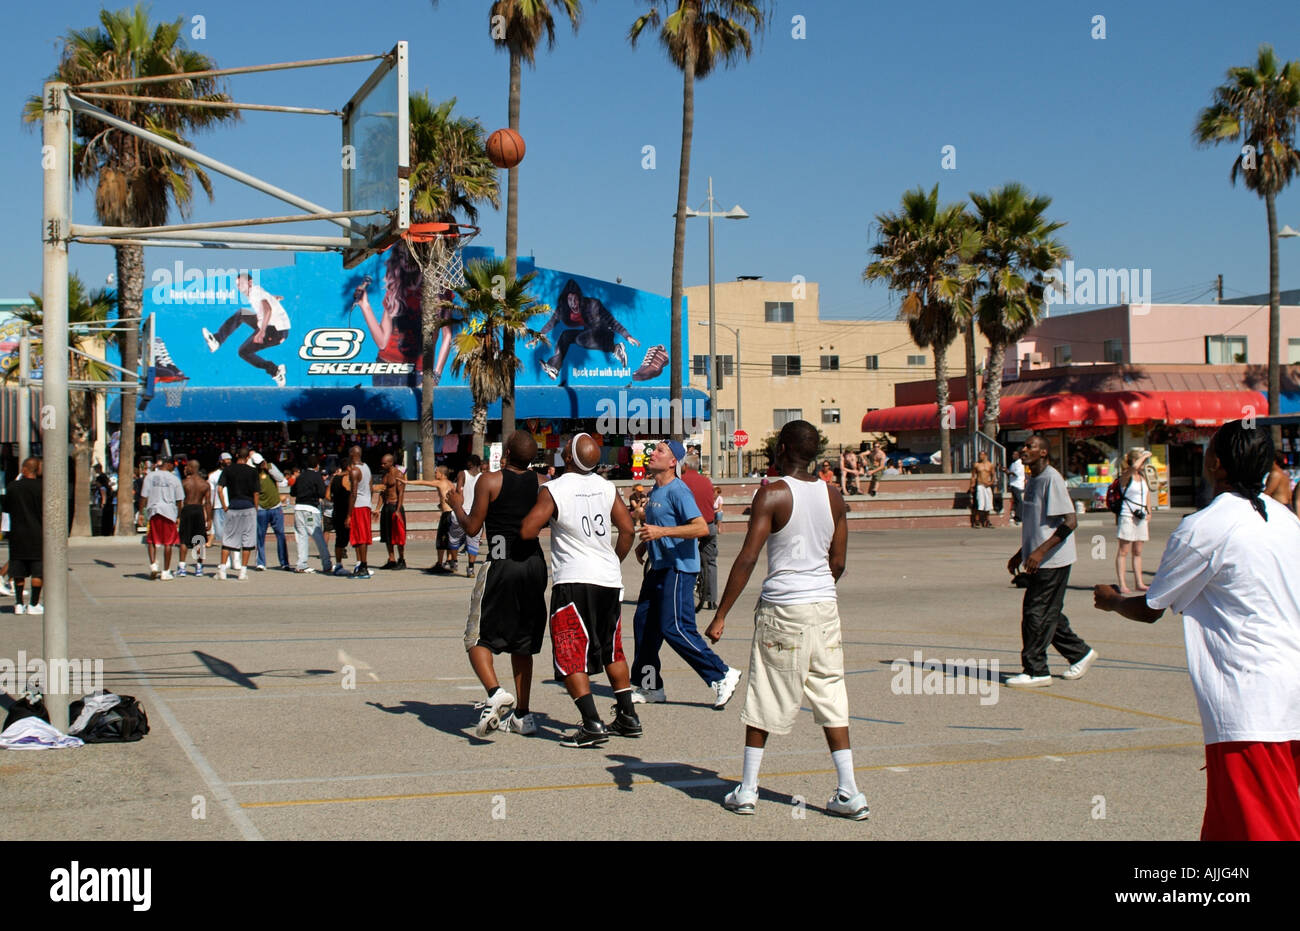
[
  {"x": 849, "y": 472},
  {"x": 196, "y": 517},
  {"x": 876, "y": 462},
  {"x": 981, "y": 489},
  {"x": 445, "y": 486},
  {"x": 392, "y": 519}
]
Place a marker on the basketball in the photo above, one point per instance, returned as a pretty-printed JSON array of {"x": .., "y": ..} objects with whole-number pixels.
[{"x": 505, "y": 148}]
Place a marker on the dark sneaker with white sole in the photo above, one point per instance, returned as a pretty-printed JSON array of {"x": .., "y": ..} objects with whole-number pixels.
[
  {"x": 586, "y": 736},
  {"x": 625, "y": 725}
]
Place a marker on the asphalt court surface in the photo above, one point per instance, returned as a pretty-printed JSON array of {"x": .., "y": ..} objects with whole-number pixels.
[{"x": 255, "y": 736}]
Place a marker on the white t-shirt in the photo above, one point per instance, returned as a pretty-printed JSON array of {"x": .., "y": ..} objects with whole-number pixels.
[
  {"x": 582, "y": 541},
  {"x": 216, "y": 493},
  {"x": 162, "y": 492},
  {"x": 1231, "y": 574},
  {"x": 279, "y": 318},
  {"x": 1017, "y": 470}
]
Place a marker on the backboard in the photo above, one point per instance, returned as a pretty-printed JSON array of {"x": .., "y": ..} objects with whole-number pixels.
[{"x": 376, "y": 157}]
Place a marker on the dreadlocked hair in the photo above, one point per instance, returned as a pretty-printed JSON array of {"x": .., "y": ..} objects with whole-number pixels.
[{"x": 1246, "y": 455}]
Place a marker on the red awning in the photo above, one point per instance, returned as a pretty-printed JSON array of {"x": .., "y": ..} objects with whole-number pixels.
[{"x": 1089, "y": 409}]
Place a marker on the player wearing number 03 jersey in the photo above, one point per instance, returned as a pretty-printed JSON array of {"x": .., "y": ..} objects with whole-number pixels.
[
  {"x": 507, "y": 611},
  {"x": 587, "y": 592}
]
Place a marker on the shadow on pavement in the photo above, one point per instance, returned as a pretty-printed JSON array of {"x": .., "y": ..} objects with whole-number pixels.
[
  {"x": 693, "y": 781},
  {"x": 458, "y": 720}
]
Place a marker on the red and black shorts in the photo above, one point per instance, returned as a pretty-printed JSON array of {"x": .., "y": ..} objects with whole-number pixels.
[
  {"x": 586, "y": 629},
  {"x": 162, "y": 532},
  {"x": 1252, "y": 791},
  {"x": 392, "y": 525}
]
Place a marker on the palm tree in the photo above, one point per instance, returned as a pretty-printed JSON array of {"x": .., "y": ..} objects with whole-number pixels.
[
  {"x": 920, "y": 253},
  {"x": 517, "y": 27},
  {"x": 698, "y": 35},
  {"x": 136, "y": 183},
  {"x": 450, "y": 176},
  {"x": 496, "y": 305},
  {"x": 1016, "y": 251},
  {"x": 83, "y": 308},
  {"x": 1260, "y": 107}
]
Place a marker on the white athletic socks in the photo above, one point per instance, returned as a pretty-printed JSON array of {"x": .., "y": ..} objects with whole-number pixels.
[
  {"x": 236, "y": 560},
  {"x": 843, "y": 760},
  {"x": 753, "y": 760}
]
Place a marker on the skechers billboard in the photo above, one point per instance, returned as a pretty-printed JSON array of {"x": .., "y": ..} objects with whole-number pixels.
[{"x": 313, "y": 324}]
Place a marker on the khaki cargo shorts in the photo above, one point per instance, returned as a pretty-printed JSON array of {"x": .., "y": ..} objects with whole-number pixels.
[{"x": 797, "y": 657}]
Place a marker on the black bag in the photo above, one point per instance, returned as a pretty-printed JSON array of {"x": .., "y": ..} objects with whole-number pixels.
[
  {"x": 124, "y": 722},
  {"x": 25, "y": 709}
]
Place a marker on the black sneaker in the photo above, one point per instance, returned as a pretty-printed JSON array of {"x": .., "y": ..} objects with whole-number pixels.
[
  {"x": 389, "y": 565},
  {"x": 625, "y": 725},
  {"x": 586, "y": 736},
  {"x": 401, "y": 564}
]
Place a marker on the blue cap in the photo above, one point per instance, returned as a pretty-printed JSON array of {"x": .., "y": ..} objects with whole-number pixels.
[{"x": 678, "y": 450}]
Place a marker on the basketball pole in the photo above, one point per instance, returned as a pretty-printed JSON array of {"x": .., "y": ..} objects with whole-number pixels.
[{"x": 56, "y": 132}]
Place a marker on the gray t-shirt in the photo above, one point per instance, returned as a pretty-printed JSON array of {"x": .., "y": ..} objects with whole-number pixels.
[
  {"x": 162, "y": 492},
  {"x": 1046, "y": 503}
]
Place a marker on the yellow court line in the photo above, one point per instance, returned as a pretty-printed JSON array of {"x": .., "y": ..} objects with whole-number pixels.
[
  {"x": 302, "y": 685},
  {"x": 415, "y": 796},
  {"x": 1097, "y": 704}
]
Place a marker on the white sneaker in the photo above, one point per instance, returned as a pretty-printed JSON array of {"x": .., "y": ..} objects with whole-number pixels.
[
  {"x": 725, "y": 687},
  {"x": 279, "y": 376},
  {"x": 552, "y": 371},
  {"x": 741, "y": 801},
  {"x": 855, "y": 808},
  {"x": 180, "y": 571},
  {"x": 494, "y": 709},
  {"x": 1025, "y": 681},
  {"x": 166, "y": 576},
  {"x": 1079, "y": 669},
  {"x": 36, "y": 609},
  {"x": 20, "y": 609},
  {"x": 515, "y": 724},
  {"x": 243, "y": 573},
  {"x": 648, "y": 696},
  {"x": 154, "y": 574},
  {"x": 221, "y": 573},
  {"x": 5, "y": 587},
  {"x": 211, "y": 340}
]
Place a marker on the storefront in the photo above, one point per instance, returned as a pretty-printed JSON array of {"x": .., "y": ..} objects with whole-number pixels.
[{"x": 337, "y": 360}]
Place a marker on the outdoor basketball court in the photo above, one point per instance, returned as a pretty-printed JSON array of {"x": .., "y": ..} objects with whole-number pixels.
[{"x": 253, "y": 729}]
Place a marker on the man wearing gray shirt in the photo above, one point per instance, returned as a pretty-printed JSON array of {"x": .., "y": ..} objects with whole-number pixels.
[{"x": 1047, "y": 551}]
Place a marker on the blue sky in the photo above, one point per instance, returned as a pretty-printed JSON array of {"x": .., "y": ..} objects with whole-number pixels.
[{"x": 812, "y": 136}]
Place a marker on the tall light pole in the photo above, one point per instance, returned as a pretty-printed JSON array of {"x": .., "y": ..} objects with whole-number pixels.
[
  {"x": 736, "y": 333},
  {"x": 735, "y": 213}
]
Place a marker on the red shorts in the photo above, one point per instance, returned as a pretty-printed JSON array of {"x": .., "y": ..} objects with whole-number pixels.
[
  {"x": 1252, "y": 791},
  {"x": 162, "y": 532},
  {"x": 359, "y": 527}
]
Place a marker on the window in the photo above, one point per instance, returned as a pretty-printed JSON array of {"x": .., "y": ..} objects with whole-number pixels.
[
  {"x": 778, "y": 311},
  {"x": 728, "y": 365},
  {"x": 1225, "y": 350},
  {"x": 830, "y": 415},
  {"x": 783, "y": 415},
  {"x": 1061, "y": 355},
  {"x": 700, "y": 365},
  {"x": 873, "y": 363},
  {"x": 726, "y": 422},
  {"x": 1114, "y": 350},
  {"x": 785, "y": 365},
  {"x": 1293, "y": 351},
  {"x": 916, "y": 360},
  {"x": 830, "y": 363}
]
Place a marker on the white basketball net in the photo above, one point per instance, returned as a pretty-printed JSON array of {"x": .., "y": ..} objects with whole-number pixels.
[
  {"x": 442, "y": 260},
  {"x": 173, "y": 392}
]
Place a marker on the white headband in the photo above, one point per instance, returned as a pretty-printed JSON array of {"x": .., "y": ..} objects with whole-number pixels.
[{"x": 573, "y": 453}]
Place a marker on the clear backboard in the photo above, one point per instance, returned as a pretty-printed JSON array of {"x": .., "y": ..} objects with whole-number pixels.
[{"x": 376, "y": 157}]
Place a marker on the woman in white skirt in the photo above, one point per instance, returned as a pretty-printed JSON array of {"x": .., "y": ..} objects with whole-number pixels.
[{"x": 1134, "y": 517}]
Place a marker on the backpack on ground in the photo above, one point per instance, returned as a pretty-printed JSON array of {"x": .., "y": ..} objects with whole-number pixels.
[
  {"x": 25, "y": 708},
  {"x": 124, "y": 722}
]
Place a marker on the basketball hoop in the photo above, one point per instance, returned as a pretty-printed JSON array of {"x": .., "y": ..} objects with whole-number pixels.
[
  {"x": 173, "y": 391},
  {"x": 436, "y": 248}
]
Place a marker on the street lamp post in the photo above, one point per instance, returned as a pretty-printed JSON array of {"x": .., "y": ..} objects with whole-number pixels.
[
  {"x": 739, "y": 420},
  {"x": 735, "y": 213}
]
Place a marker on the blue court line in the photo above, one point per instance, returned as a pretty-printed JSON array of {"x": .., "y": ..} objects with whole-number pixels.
[
  {"x": 1108, "y": 728},
  {"x": 294, "y": 639},
  {"x": 977, "y": 727}
]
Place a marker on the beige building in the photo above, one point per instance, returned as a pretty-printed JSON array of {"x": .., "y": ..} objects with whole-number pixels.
[{"x": 794, "y": 365}]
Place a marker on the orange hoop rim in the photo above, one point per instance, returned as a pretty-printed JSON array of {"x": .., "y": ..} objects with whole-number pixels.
[{"x": 428, "y": 232}]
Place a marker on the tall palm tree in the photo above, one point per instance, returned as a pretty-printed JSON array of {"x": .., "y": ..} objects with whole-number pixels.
[
  {"x": 136, "y": 183},
  {"x": 1016, "y": 251},
  {"x": 84, "y": 307},
  {"x": 920, "y": 253},
  {"x": 450, "y": 176},
  {"x": 698, "y": 35},
  {"x": 492, "y": 312},
  {"x": 1260, "y": 107},
  {"x": 518, "y": 28}
]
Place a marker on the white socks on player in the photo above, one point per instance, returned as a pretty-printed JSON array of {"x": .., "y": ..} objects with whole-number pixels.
[
  {"x": 236, "y": 560},
  {"x": 753, "y": 760},
  {"x": 843, "y": 760}
]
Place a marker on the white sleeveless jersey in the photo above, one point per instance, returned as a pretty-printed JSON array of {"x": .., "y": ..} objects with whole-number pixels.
[
  {"x": 582, "y": 541},
  {"x": 470, "y": 481},
  {"x": 798, "y": 563},
  {"x": 363, "y": 488}
]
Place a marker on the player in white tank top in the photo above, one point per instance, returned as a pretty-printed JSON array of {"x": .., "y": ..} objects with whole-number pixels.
[
  {"x": 582, "y": 548},
  {"x": 798, "y": 571}
]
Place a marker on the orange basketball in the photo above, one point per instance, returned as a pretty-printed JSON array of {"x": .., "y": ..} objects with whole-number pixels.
[{"x": 505, "y": 148}]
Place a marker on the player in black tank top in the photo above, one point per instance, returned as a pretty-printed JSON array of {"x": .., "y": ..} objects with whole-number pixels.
[{"x": 505, "y": 515}]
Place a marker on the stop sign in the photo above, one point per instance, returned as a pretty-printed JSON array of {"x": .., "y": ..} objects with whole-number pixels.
[{"x": 741, "y": 438}]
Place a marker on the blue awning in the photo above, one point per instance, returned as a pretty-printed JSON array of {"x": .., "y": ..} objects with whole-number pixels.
[{"x": 272, "y": 405}]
